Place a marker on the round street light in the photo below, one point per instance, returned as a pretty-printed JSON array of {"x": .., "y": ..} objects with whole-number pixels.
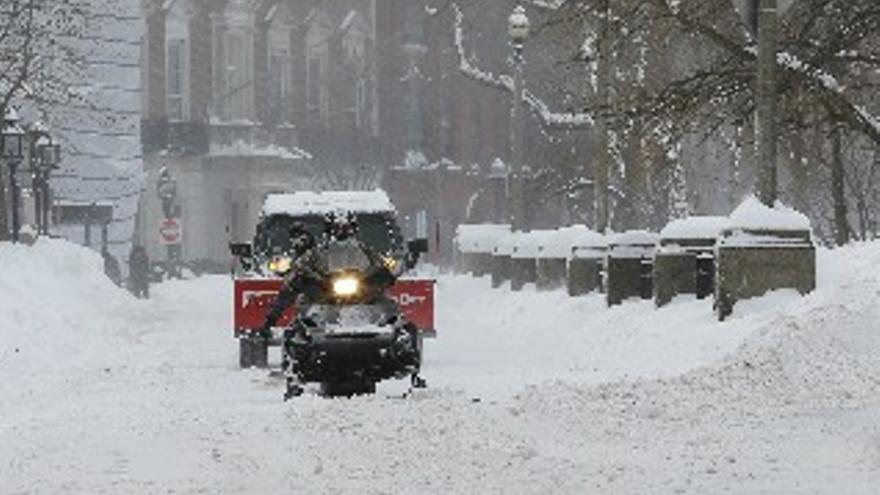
[
  {"x": 45, "y": 156},
  {"x": 166, "y": 190},
  {"x": 11, "y": 143},
  {"x": 518, "y": 25},
  {"x": 12, "y": 139},
  {"x": 48, "y": 152}
]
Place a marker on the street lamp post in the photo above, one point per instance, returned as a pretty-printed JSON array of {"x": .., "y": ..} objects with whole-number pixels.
[
  {"x": 11, "y": 140},
  {"x": 45, "y": 156},
  {"x": 518, "y": 26},
  {"x": 166, "y": 190}
]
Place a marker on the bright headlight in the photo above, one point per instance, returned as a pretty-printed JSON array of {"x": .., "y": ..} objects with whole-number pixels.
[
  {"x": 280, "y": 264},
  {"x": 390, "y": 263},
  {"x": 346, "y": 286}
]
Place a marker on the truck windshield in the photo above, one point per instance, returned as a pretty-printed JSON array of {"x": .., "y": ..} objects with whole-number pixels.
[{"x": 379, "y": 231}]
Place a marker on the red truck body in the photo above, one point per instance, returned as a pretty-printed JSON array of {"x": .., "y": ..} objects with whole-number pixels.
[{"x": 254, "y": 297}]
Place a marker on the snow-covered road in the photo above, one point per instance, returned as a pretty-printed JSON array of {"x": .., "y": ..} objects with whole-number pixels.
[{"x": 530, "y": 393}]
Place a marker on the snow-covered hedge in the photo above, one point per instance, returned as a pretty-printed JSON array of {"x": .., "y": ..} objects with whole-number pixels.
[
  {"x": 753, "y": 223},
  {"x": 633, "y": 244},
  {"x": 479, "y": 238},
  {"x": 534, "y": 244},
  {"x": 694, "y": 228},
  {"x": 576, "y": 241}
]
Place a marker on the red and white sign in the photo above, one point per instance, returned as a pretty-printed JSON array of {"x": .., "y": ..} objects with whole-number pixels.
[
  {"x": 170, "y": 232},
  {"x": 254, "y": 297}
]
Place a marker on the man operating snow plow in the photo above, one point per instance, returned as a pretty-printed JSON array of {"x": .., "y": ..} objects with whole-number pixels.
[{"x": 323, "y": 279}]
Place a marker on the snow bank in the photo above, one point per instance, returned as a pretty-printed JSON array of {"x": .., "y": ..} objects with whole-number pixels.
[
  {"x": 322, "y": 203},
  {"x": 53, "y": 297}
]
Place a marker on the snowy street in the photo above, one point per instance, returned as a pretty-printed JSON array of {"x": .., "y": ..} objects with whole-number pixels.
[
  {"x": 114, "y": 395},
  {"x": 675, "y": 207}
]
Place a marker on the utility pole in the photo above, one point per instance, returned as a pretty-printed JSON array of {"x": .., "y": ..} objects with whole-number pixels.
[
  {"x": 766, "y": 101},
  {"x": 414, "y": 48},
  {"x": 603, "y": 165},
  {"x": 4, "y": 222},
  {"x": 516, "y": 139},
  {"x": 518, "y": 27}
]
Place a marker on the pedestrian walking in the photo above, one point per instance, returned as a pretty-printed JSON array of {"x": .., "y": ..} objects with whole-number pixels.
[{"x": 139, "y": 272}]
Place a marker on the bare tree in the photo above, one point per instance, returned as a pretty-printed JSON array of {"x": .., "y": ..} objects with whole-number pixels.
[
  {"x": 41, "y": 58},
  {"x": 677, "y": 68}
]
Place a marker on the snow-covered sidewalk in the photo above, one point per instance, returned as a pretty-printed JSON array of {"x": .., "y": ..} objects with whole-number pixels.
[{"x": 530, "y": 393}]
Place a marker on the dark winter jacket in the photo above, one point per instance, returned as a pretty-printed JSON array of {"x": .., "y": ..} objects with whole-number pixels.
[{"x": 139, "y": 265}]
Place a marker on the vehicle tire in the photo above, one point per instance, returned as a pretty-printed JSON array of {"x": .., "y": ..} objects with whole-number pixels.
[
  {"x": 245, "y": 356},
  {"x": 259, "y": 353}
]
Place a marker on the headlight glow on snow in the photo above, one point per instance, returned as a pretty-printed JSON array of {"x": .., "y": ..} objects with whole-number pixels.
[
  {"x": 280, "y": 264},
  {"x": 346, "y": 286}
]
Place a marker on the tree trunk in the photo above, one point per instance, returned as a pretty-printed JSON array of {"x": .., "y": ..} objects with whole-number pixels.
[
  {"x": 799, "y": 182},
  {"x": 766, "y": 102},
  {"x": 838, "y": 193}
]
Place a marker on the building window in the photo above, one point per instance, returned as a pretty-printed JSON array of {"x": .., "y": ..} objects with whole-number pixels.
[
  {"x": 279, "y": 83},
  {"x": 315, "y": 89},
  {"x": 176, "y": 74},
  {"x": 236, "y": 77},
  {"x": 359, "y": 102}
]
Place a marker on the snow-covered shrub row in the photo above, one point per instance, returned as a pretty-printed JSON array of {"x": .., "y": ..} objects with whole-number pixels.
[
  {"x": 579, "y": 241},
  {"x": 479, "y": 238}
]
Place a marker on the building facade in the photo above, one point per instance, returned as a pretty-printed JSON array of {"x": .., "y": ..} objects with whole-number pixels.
[{"x": 244, "y": 98}]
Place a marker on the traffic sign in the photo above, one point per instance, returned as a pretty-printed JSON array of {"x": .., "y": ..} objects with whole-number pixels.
[{"x": 170, "y": 232}]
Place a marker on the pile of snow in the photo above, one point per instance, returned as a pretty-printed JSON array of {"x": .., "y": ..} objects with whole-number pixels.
[
  {"x": 322, "y": 203},
  {"x": 707, "y": 227},
  {"x": 816, "y": 353},
  {"x": 756, "y": 224},
  {"x": 752, "y": 215},
  {"x": 479, "y": 238},
  {"x": 54, "y": 297}
]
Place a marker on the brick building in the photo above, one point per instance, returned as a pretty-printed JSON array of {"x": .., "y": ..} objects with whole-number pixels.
[
  {"x": 445, "y": 137},
  {"x": 248, "y": 97}
]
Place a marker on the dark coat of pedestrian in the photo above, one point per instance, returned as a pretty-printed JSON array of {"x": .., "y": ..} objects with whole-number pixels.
[{"x": 139, "y": 272}]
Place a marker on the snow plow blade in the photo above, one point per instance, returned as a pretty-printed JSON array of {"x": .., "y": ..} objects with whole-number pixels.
[{"x": 253, "y": 299}]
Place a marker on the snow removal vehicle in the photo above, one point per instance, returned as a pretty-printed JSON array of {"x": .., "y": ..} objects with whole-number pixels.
[{"x": 358, "y": 320}]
